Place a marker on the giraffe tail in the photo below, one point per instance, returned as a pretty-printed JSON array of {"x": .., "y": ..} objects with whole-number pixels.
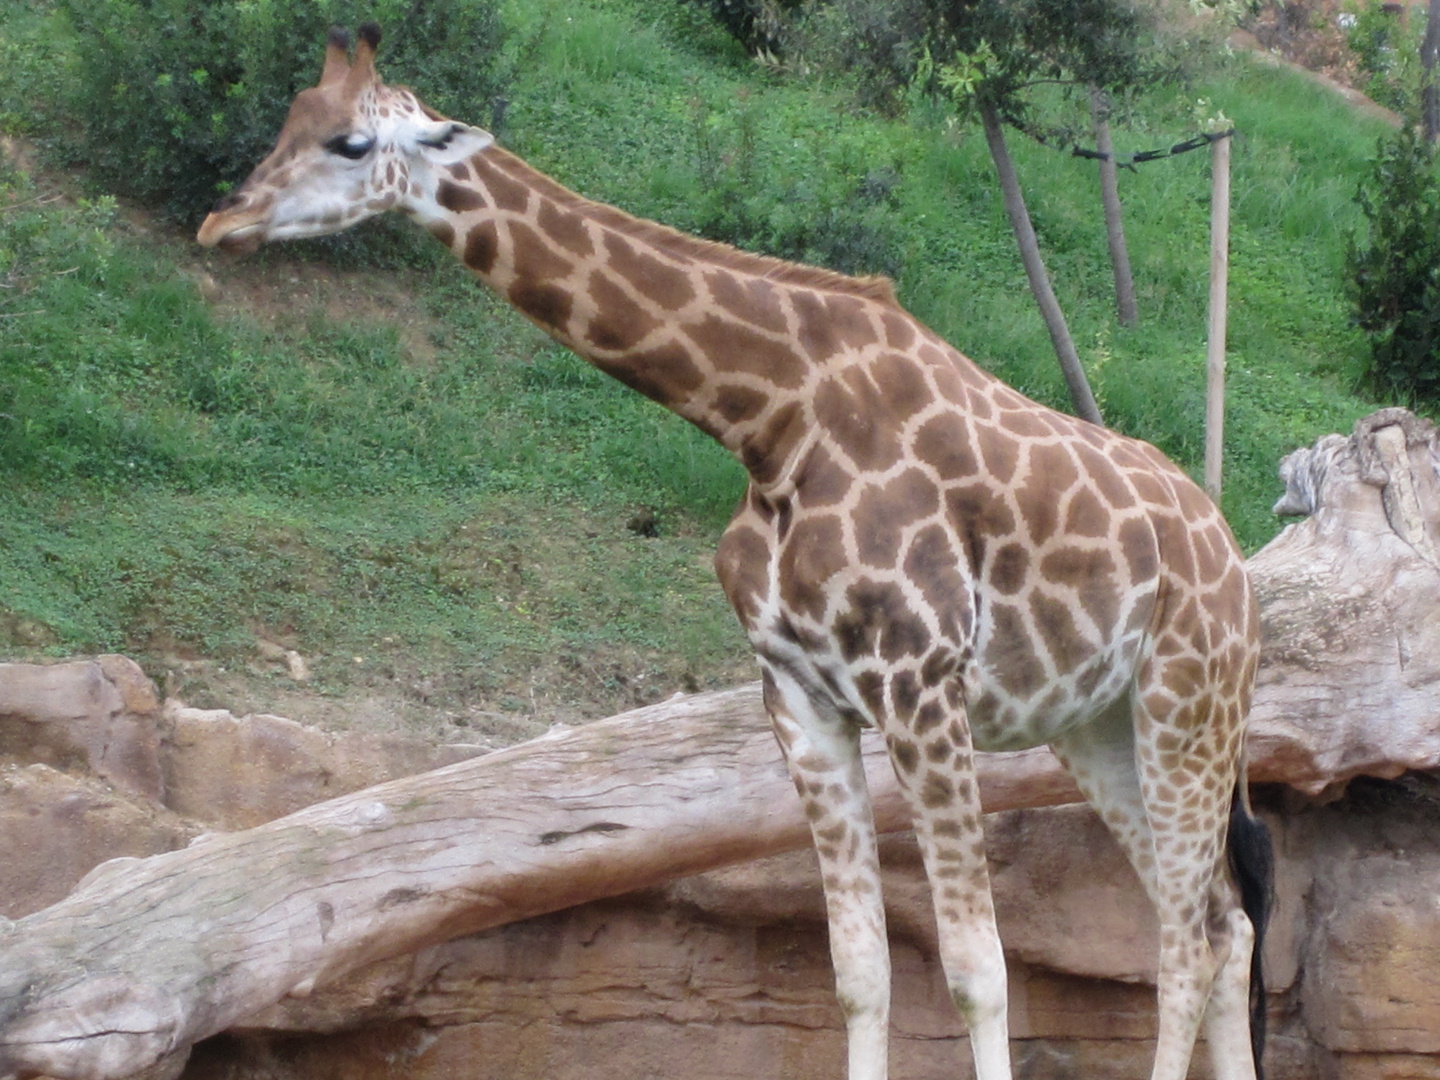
[{"x": 1252, "y": 864}]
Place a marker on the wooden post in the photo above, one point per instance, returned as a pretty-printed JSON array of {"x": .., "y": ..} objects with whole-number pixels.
[
  {"x": 1219, "y": 280},
  {"x": 1430, "y": 74}
]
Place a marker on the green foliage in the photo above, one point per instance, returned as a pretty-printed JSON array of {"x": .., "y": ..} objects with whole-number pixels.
[
  {"x": 178, "y": 99},
  {"x": 1388, "y": 48},
  {"x": 998, "y": 50},
  {"x": 830, "y": 215},
  {"x": 1397, "y": 274},
  {"x": 763, "y": 27},
  {"x": 30, "y": 54},
  {"x": 176, "y": 471}
]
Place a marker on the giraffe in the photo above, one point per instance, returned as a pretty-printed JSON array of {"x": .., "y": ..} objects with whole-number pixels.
[{"x": 921, "y": 549}]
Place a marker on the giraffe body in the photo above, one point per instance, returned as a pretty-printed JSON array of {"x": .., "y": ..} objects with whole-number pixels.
[{"x": 921, "y": 549}]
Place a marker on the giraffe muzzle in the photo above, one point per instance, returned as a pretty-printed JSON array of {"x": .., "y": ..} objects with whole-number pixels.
[{"x": 229, "y": 234}]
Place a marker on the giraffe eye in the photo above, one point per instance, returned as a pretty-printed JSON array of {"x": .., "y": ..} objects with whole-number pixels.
[{"x": 353, "y": 147}]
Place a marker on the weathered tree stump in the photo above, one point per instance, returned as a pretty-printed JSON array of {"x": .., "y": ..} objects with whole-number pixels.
[
  {"x": 1350, "y": 606},
  {"x": 147, "y": 956}
]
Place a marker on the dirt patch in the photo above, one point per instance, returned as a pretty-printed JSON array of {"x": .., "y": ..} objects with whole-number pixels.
[
  {"x": 1309, "y": 34},
  {"x": 407, "y": 693},
  {"x": 284, "y": 293}
]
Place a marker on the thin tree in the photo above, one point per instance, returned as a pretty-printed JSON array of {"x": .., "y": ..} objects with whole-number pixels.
[
  {"x": 1006, "y": 48},
  {"x": 986, "y": 57},
  {"x": 1126, "y": 309},
  {"x": 1081, "y": 396}
]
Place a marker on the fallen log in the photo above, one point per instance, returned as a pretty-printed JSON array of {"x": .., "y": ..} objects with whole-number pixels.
[{"x": 148, "y": 956}]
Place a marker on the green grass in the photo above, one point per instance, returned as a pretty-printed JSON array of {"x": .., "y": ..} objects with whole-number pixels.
[
  {"x": 456, "y": 490},
  {"x": 486, "y": 581}
]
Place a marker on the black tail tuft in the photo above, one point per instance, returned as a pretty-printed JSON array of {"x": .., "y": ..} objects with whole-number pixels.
[{"x": 1252, "y": 862}]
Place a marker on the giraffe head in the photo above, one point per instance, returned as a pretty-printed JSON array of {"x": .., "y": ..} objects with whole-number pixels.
[{"x": 351, "y": 148}]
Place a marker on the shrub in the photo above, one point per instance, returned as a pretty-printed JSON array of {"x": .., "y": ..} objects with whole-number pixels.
[
  {"x": 764, "y": 27},
  {"x": 829, "y": 216},
  {"x": 1396, "y": 278},
  {"x": 180, "y": 98},
  {"x": 1387, "y": 47}
]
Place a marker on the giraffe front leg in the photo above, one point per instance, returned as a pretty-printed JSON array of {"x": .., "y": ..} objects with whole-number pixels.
[
  {"x": 934, "y": 765},
  {"x": 822, "y": 752}
]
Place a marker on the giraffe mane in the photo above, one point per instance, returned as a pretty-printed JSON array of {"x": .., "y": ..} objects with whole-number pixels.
[{"x": 873, "y": 287}]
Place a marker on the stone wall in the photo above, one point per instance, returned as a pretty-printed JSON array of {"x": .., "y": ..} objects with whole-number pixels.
[{"x": 725, "y": 974}]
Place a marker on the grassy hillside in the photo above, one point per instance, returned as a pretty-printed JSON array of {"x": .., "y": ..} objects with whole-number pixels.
[{"x": 389, "y": 471}]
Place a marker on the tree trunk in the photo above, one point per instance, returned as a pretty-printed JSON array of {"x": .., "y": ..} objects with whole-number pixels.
[
  {"x": 1125, "y": 308},
  {"x": 1079, "y": 386},
  {"x": 148, "y": 956},
  {"x": 1430, "y": 65}
]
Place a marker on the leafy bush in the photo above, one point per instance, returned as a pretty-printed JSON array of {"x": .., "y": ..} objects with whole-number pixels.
[
  {"x": 1387, "y": 47},
  {"x": 1396, "y": 282},
  {"x": 180, "y": 98},
  {"x": 764, "y": 27},
  {"x": 833, "y": 216}
]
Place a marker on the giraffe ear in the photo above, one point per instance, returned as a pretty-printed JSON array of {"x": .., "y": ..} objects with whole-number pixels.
[{"x": 446, "y": 142}]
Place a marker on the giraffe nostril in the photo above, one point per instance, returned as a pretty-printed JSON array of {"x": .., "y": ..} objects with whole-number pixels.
[{"x": 229, "y": 202}]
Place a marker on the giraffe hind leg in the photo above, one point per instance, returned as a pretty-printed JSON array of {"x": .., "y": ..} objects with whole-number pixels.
[
  {"x": 1238, "y": 1000},
  {"x": 1173, "y": 830},
  {"x": 822, "y": 752}
]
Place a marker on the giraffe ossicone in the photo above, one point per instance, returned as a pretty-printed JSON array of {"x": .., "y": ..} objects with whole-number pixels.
[{"x": 921, "y": 549}]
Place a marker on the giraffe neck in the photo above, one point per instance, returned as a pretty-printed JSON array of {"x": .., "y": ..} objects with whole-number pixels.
[{"x": 728, "y": 340}]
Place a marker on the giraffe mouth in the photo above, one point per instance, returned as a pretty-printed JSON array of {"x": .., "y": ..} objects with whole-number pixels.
[
  {"x": 239, "y": 239},
  {"x": 243, "y": 241}
]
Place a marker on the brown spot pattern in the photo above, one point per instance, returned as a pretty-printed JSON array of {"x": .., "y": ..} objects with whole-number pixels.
[
  {"x": 664, "y": 373},
  {"x": 878, "y": 622},
  {"x": 813, "y": 555},
  {"x": 566, "y": 228},
  {"x": 457, "y": 198},
  {"x": 733, "y": 346},
  {"x": 482, "y": 244},
  {"x": 767, "y": 452},
  {"x": 942, "y": 443},
  {"x": 653, "y": 278},
  {"x": 752, "y": 300},
  {"x": 885, "y": 510},
  {"x": 850, "y": 409},
  {"x": 535, "y": 260},
  {"x": 620, "y": 323},
  {"x": 508, "y": 192},
  {"x": 548, "y": 305}
]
